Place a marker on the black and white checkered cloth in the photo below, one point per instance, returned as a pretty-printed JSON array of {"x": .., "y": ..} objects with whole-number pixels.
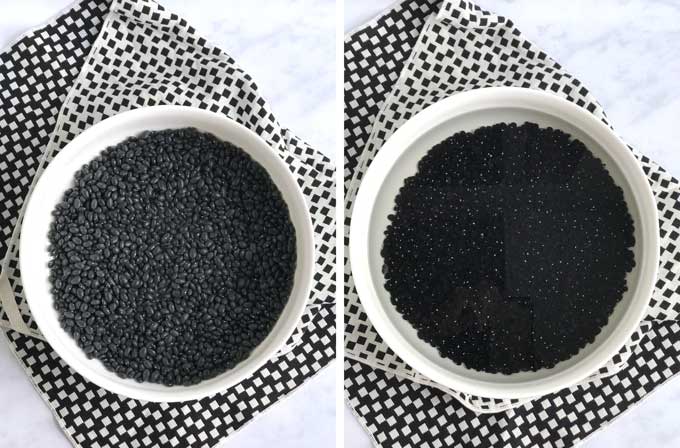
[
  {"x": 99, "y": 58},
  {"x": 415, "y": 54}
]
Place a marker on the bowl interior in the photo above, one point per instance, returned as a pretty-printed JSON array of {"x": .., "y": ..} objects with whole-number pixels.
[
  {"x": 58, "y": 177},
  {"x": 402, "y": 336}
]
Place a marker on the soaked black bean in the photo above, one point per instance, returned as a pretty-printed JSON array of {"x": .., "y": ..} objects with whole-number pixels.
[
  {"x": 143, "y": 270},
  {"x": 509, "y": 248}
]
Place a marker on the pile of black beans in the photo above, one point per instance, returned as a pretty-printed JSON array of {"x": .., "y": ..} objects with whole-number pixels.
[
  {"x": 509, "y": 248},
  {"x": 172, "y": 257}
]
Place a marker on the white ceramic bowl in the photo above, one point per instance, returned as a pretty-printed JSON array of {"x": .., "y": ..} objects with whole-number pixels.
[
  {"x": 398, "y": 159},
  {"x": 59, "y": 176}
]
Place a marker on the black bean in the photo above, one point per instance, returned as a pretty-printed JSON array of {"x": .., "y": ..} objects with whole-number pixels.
[
  {"x": 148, "y": 246},
  {"x": 509, "y": 247}
]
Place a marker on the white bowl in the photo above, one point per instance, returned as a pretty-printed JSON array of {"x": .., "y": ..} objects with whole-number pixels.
[
  {"x": 398, "y": 159},
  {"x": 59, "y": 176}
]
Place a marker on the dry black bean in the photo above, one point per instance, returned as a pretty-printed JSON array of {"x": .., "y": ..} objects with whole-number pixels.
[{"x": 143, "y": 271}]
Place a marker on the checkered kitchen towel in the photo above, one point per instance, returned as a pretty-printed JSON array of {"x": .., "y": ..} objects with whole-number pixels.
[
  {"x": 416, "y": 53},
  {"x": 97, "y": 59}
]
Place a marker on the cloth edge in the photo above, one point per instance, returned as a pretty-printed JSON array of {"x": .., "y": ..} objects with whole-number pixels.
[{"x": 15, "y": 40}]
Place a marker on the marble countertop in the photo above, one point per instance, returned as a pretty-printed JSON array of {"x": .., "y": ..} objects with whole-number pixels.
[
  {"x": 627, "y": 53},
  {"x": 289, "y": 49}
]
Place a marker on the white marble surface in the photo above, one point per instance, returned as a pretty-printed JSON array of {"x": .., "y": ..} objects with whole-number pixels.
[
  {"x": 289, "y": 49},
  {"x": 628, "y": 53}
]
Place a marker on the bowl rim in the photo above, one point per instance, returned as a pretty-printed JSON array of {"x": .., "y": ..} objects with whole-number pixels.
[
  {"x": 430, "y": 118},
  {"x": 297, "y": 303}
]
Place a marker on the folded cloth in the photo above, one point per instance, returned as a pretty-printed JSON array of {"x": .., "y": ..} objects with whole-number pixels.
[
  {"x": 410, "y": 57},
  {"x": 97, "y": 59}
]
